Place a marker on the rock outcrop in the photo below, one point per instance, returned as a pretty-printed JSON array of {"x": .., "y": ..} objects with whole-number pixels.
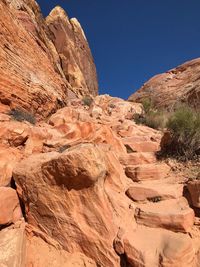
[
  {"x": 178, "y": 85},
  {"x": 92, "y": 193},
  {"x": 73, "y": 50},
  {"x": 36, "y": 74},
  {"x": 82, "y": 186}
]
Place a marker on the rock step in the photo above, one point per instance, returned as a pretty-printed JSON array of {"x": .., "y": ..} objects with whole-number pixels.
[
  {"x": 154, "y": 193},
  {"x": 141, "y": 146},
  {"x": 147, "y": 171},
  {"x": 151, "y": 247},
  {"x": 173, "y": 214},
  {"x": 194, "y": 190},
  {"x": 137, "y": 158}
]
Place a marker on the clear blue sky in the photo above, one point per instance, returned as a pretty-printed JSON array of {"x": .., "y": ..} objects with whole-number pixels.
[{"x": 132, "y": 40}]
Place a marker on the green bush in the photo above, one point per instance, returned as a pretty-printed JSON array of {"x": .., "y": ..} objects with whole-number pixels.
[
  {"x": 184, "y": 127},
  {"x": 21, "y": 115},
  {"x": 151, "y": 117},
  {"x": 87, "y": 100}
]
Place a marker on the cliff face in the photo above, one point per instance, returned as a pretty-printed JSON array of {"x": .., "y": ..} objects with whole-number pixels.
[
  {"x": 181, "y": 84},
  {"x": 36, "y": 73},
  {"x": 73, "y": 50}
]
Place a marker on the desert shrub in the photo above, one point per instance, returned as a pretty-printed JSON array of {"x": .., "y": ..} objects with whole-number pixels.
[
  {"x": 184, "y": 128},
  {"x": 147, "y": 105},
  {"x": 21, "y": 115},
  {"x": 87, "y": 100},
  {"x": 154, "y": 119},
  {"x": 151, "y": 117}
]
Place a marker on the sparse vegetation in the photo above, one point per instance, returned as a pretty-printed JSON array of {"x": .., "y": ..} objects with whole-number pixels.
[
  {"x": 151, "y": 117},
  {"x": 87, "y": 100},
  {"x": 184, "y": 127},
  {"x": 147, "y": 105},
  {"x": 21, "y": 115}
]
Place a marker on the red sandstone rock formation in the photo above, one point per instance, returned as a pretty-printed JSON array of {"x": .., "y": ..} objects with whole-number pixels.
[
  {"x": 181, "y": 84},
  {"x": 35, "y": 73},
  {"x": 73, "y": 50},
  {"x": 84, "y": 186},
  {"x": 87, "y": 198}
]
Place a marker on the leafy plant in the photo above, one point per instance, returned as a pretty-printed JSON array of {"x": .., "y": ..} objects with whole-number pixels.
[{"x": 21, "y": 115}]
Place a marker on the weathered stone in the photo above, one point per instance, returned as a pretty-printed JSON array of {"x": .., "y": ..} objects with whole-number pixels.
[
  {"x": 74, "y": 52},
  {"x": 12, "y": 247},
  {"x": 172, "y": 214},
  {"x": 149, "y": 247},
  {"x": 147, "y": 172},
  {"x": 53, "y": 185},
  {"x": 194, "y": 190},
  {"x": 10, "y": 210},
  {"x": 178, "y": 85},
  {"x": 154, "y": 192},
  {"x": 43, "y": 73}
]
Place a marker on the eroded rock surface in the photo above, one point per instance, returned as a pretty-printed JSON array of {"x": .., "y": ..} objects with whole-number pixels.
[
  {"x": 83, "y": 187},
  {"x": 73, "y": 178},
  {"x": 177, "y": 85},
  {"x": 44, "y": 74}
]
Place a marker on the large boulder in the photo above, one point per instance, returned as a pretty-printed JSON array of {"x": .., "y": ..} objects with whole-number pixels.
[{"x": 77, "y": 198}]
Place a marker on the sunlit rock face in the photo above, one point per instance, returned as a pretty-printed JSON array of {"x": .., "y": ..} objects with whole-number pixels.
[
  {"x": 83, "y": 185},
  {"x": 92, "y": 192},
  {"x": 75, "y": 56},
  {"x": 37, "y": 74},
  {"x": 176, "y": 86}
]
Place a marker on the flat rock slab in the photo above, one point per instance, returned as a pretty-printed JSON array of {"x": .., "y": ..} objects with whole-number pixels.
[
  {"x": 151, "y": 247},
  {"x": 154, "y": 193},
  {"x": 144, "y": 146},
  {"x": 137, "y": 158},
  {"x": 147, "y": 172},
  {"x": 12, "y": 247},
  {"x": 172, "y": 214}
]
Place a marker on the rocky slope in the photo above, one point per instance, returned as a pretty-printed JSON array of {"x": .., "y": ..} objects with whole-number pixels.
[
  {"x": 181, "y": 84},
  {"x": 92, "y": 192},
  {"x": 81, "y": 186},
  {"x": 42, "y": 63}
]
